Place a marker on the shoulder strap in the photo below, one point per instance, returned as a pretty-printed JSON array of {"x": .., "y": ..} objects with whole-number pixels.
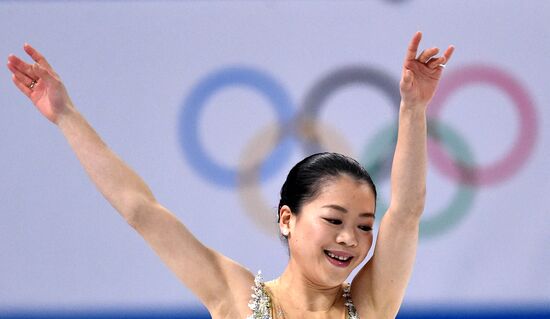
[{"x": 352, "y": 312}]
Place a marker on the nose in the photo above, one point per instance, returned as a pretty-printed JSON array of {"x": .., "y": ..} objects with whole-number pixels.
[{"x": 347, "y": 237}]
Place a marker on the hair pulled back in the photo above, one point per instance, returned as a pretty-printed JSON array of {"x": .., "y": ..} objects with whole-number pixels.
[{"x": 307, "y": 177}]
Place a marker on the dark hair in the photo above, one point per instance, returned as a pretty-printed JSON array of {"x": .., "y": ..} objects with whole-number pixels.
[{"x": 305, "y": 179}]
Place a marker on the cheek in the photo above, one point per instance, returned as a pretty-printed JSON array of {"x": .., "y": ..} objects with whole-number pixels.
[
  {"x": 312, "y": 233},
  {"x": 368, "y": 240}
]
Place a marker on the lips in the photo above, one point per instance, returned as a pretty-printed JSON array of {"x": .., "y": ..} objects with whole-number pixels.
[{"x": 338, "y": 258}]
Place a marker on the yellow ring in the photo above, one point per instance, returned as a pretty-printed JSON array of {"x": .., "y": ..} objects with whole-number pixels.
[{"x": 255, "y": 204}]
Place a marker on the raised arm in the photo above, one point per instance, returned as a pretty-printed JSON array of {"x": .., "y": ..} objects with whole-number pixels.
[
  {"x": 215, "y": 279},
  {"x": 380, "y": 285}
]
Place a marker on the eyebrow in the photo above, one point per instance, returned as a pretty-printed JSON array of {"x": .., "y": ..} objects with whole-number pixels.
[{"x": 344, "y": 210}]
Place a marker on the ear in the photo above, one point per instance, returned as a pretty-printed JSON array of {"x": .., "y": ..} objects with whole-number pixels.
[{"x": 286, "y": 220}]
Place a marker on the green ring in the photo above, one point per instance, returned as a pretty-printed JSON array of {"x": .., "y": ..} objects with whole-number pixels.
[{"x": 384, "y": 142}]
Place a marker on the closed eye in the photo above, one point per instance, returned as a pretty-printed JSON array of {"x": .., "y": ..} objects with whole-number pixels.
[
  {"x": 365, "y": 228},
  {"x": 333, "y": 221}
]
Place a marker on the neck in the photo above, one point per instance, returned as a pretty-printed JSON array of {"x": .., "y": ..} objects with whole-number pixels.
[{"x": 293, "y": 289}]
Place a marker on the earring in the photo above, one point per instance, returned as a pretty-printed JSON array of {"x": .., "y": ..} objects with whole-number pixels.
[{"x": 285, "y": 232}]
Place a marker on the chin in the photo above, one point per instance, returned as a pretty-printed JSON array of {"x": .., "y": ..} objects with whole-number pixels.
[{"x": 335, "y": 276}]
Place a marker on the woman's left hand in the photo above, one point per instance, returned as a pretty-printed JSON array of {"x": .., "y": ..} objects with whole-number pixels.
[{"x": 421, "y": 74}]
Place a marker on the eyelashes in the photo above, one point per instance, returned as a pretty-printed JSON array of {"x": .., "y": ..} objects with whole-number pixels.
[
  {"x": 365, "y": 228},
  {"x": 333, "y": 221}
]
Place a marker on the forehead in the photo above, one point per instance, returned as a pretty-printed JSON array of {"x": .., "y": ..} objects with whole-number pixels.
[{"x": 346, "y": 191}]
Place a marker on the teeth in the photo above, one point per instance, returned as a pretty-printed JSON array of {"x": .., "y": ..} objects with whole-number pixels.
[{"x": 337, "y": 257}]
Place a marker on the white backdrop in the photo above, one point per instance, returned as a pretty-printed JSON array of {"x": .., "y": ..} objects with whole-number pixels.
[{"x": 131, "y": 68}]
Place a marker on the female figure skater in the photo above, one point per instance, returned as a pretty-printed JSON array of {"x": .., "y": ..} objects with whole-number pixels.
[{"x": 326, "y": 212}]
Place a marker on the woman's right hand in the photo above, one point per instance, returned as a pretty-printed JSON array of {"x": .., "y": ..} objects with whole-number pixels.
[{"x": 47, "y": 93}]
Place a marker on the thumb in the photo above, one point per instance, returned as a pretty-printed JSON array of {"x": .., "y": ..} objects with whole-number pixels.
[{"x": 407, "y": 79}]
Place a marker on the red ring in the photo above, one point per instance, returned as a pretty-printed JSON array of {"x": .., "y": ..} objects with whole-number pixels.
[{"x": 524, "y": 143}]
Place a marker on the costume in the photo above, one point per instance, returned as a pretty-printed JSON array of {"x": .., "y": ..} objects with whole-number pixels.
[{"x": 261, "y": 306}]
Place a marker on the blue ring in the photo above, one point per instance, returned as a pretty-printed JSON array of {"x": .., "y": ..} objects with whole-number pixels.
[{"x": 193, "y": 105}]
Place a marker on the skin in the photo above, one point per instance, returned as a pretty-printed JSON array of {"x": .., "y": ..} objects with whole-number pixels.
[{"x": 310, "y": 287}]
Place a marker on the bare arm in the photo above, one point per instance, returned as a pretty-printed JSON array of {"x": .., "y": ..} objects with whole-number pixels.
[
  {"x": 215, "y": 279},
  {"x": 380, "y": 285}
]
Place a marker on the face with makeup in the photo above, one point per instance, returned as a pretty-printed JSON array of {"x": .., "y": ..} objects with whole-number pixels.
[{"x": 332, "y": 232}]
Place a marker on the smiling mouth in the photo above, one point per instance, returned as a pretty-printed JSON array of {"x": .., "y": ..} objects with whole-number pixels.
[{"x": 341, "y": 261}]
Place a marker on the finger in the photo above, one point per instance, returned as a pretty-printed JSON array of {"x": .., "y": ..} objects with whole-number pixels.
[
  {"x": 21, "y": 65},
  {"x": 34, "y": 72},
  {"x": 449, "y": 53},
  {"x": 435, "y": 63},
  {"x": 22, "y": 87},
  {"x": 36, "y": 56},
  {"x": 22, "y": 77},
  {"x": 427, "y": 54},
  {"x": 413, "y": 46},
  {"x": 16, "y": 71}
]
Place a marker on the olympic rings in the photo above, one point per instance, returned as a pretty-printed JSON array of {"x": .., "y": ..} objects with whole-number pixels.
[
  {"x": 268, "y": 150},
  {"x": 524, "y": 143},
  {"x": 234, "y": 76}
]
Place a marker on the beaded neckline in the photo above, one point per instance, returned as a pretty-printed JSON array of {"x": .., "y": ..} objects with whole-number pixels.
[{"x": 260, "y": 302}]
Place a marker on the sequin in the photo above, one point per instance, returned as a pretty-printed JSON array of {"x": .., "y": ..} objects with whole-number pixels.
[{"x": 260, "y": 303}]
